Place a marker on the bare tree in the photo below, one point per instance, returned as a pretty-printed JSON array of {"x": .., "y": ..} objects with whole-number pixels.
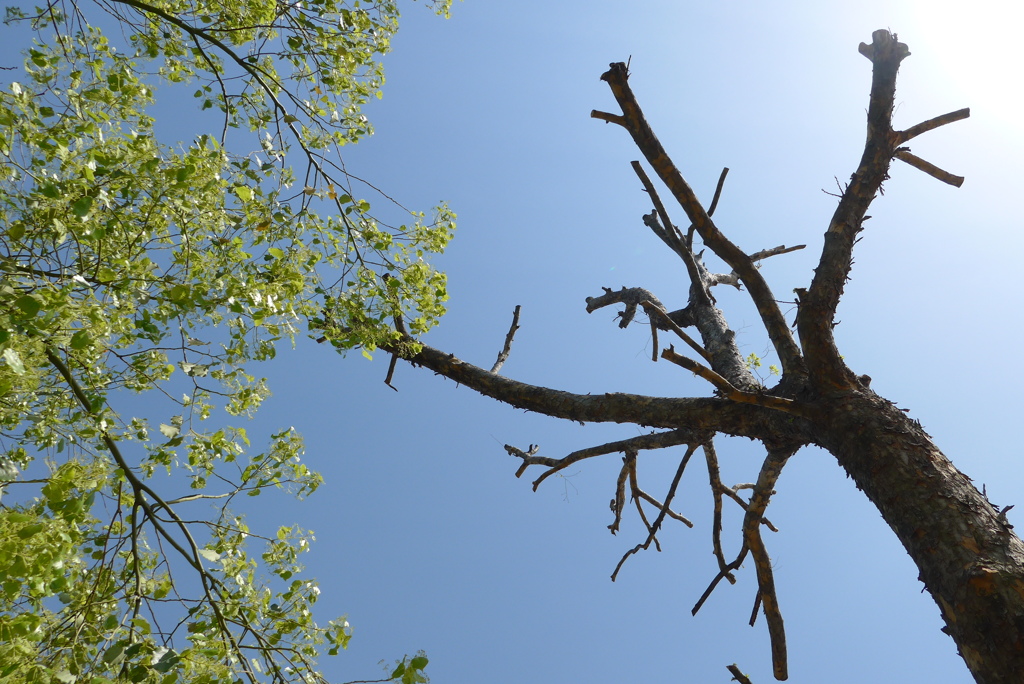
[{"x": 969, "y": 558}]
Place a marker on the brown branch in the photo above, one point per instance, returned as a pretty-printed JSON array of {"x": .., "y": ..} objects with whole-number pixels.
[
  {"x": 718, "y": 192},
  {"x": 659, "y": 312},
  {"x": 734, "y": 278},
  {"x": 717, "y": 488},
  {"x": 931, "y": 124},
  {"x": 617, "y": 78},
  {"x": 770, "y": 471},
  {"x": 655, "y": 440},
  {"x": 929, "y": 168},
  {"x": 628, "y": 471},
  {"x": 728, "y": 390},
  {"x": 763, "y": 490},
  {"x": 607, "y": 118},
  {"x": 818, "y": 304},
  {"x": 671, "y": 236},
  {"x": 503, "y": 354},
  {"x": 664, "y": 510},
  {"x": 737, "y": 675},
  {"x": 639, "y": 494}
]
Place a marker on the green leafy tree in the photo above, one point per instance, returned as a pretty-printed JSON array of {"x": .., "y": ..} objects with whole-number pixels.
[{"x": 131, "y": 266}]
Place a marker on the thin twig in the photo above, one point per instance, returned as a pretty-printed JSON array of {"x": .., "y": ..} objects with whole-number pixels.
[
  {"x": 655, "y": 440},
  {"x": 728, "y": 390},
  {"x": 718, "y": 191},
  {"x": 651, "y": 307},
  {"x": 664, "y": 509},
  {"x": 503, "y": 354}
]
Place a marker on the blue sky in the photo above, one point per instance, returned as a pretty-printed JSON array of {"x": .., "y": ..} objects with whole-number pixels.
[{"x": 424, "y": 537}]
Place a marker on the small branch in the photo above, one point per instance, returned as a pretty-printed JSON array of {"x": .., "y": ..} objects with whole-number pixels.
[
  {"x": 728, "y": 390},
  {"x": 631, "y": 297},
  {"x": 737, "y": 675},
  {"x": 931, "y": 124},
  {"x": 934, "y": 171},
  {"x": 770, "y": 603},
  {"x": 636, "y": 124},
  {"x": 717, "y": 488},
  {"x": 664, "y": 510},
  {"x": 763, "y": 490},
  {"x": 619, "y": 502},
  {"x": 655, "y": 440},
  {"x": 608, "y": 118},
  {"x": 641, "y": 495},
  {"x": 718, "y": 192},
  {"x": 659, "y": 312},
  {"x": 503, "y": 355},
  {"x": 670, "y": 234},
  {"x": 391, "y": 372},
  {"x": 734, "y": 277}
]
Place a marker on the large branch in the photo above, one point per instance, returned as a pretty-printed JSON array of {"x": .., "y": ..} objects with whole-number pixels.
[
  {"x": 634, "y": 121},
  {"x": 818, "y": 304},
  {"x": 701, "y": 413}
]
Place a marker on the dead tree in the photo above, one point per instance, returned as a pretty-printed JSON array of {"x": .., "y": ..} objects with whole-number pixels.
[{"x": 969, "y": 558}]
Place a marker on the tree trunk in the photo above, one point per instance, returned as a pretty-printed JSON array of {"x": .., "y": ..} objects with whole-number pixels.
[{"x": 969, "y": 559}]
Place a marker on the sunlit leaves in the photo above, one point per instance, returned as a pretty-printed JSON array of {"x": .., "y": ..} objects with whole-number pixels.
[{"x": 133, "y": 265}]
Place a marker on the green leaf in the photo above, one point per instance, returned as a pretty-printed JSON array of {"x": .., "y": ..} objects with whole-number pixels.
[
  {"x": 243, "y": 193},
  {"x": 80, "y": 340},
  {"x": 30, "y": 304},
  {"x": 276, "y": 252},
  {"x": 82, "y": 206},
  {"x": 30, "y": 530}
]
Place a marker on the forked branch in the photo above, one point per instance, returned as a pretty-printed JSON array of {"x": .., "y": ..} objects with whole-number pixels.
[
  {"x": 617, "y": 78},
  {"x": 818, "y": 304},
  {"x": 655, "y": 440}
]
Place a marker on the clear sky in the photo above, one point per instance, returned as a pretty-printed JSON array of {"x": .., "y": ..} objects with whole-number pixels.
[{"x": 424, "y": 537}]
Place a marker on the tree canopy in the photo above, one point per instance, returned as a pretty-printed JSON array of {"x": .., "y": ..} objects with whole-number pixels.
[{"x": 134, "y": 264}]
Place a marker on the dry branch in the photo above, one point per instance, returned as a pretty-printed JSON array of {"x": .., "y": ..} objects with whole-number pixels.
[
  {"x": 931, "y": 124},
  {"x": 655, "y": 440},
  {"x": 929, "y": 168},
  {"x": 661, "y": 514},
  {"x": 503, "y": 354},
  {"x": 617, "y": 78}
]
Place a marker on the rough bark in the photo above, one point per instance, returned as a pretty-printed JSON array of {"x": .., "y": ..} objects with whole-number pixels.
[{"x": 968, "y": 556}]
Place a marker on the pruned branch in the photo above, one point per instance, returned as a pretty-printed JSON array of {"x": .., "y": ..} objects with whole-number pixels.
[
  {"x": 718, "y": 193},
  {"x": 607, "y": 118},
  {"x": 931, "y": 124},
  {"x": 929, "y": 168}
]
